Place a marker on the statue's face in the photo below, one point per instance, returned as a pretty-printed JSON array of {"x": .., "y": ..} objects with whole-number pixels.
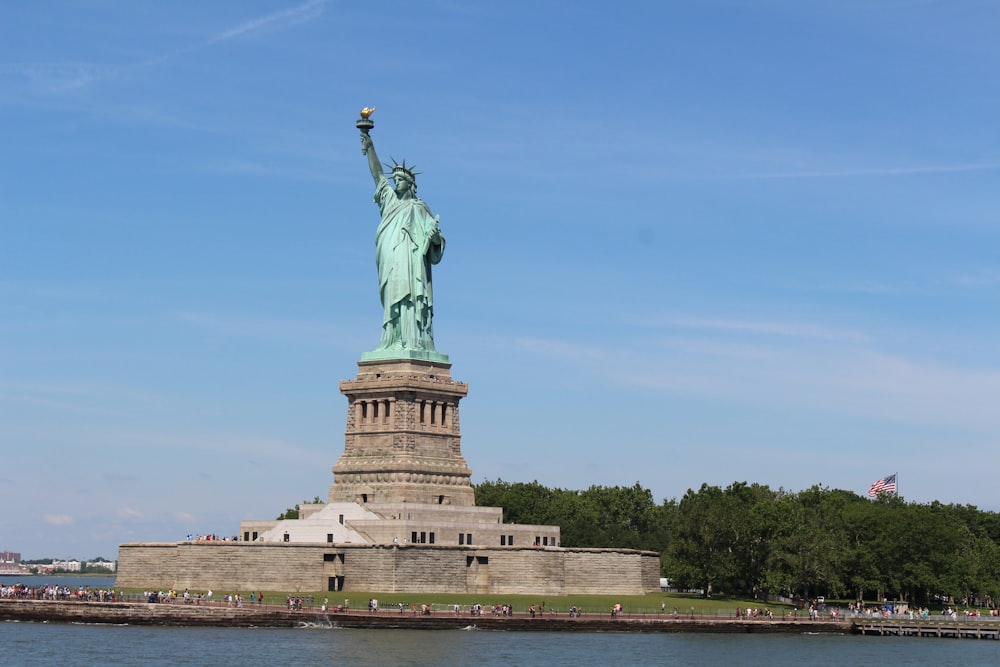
[{"x": 402, "y": 183}]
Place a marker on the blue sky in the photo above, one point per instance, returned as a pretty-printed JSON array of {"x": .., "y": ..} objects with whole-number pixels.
[{"x": 687, "y": 242}]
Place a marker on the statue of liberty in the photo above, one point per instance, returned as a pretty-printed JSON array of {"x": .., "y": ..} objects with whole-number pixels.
[{"x": 407, "y": 243}]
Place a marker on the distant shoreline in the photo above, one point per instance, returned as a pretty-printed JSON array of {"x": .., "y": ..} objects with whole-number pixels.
[
  {"x": 68, "y": 575},
  {"x": 275, "y": 616}
]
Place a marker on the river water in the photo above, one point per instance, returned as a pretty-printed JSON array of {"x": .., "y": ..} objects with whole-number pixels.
[
  {"x": 51, "y": 644},
  {"x": 96, "y": 583},
  {"x": 48, "y": 645}
]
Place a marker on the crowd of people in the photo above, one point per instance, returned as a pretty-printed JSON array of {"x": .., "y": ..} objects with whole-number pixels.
[
  {"x": 54, "y": 592},
  {"x": 494, "y": 609},
  {"x": 753, "y": 613},
  {"x": 903, "y": 611},
  {"x": 815, "y": 610}
]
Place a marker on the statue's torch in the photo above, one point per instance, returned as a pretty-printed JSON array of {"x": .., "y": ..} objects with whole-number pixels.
[{"x": 365, "y": 123}]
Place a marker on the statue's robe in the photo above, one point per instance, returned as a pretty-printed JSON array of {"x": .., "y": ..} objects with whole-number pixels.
[{"x": 404, "y": 253}]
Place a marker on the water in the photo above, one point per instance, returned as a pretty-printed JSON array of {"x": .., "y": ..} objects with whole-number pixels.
[
  {"x": 96, "y": 583},
  {"x": 48, "y": 645}
]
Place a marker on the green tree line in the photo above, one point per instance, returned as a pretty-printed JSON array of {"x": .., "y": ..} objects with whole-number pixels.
[{"x": 748, "y": 539}]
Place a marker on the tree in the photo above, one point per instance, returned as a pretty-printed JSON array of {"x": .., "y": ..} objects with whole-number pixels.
[
  {"x": 293, "y": 512},
  {"x": 600, "y": 517},
  {"x": 700, "y": 553},
  {"x": 529, "y": 503},
  {"x": 621, "y": 517},
  {"x": 811, "y": 547},
  {"x": 749, "y": 539}
]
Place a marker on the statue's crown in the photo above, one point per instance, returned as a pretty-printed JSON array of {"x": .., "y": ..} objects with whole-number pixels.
[{"x": 398, "y": 168}]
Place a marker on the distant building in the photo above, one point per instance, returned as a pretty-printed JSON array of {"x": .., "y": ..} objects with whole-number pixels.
[
  {"x": 67, "y": 565},
  {"x": 108, "y": 565},
  {"x": 10, "y": 557}
]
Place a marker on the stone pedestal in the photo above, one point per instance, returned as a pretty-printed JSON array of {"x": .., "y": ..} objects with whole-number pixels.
[{"x": 403, "y": 441}]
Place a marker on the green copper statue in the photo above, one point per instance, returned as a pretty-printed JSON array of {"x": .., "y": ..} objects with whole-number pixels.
[{"x": 407, "y": 243}]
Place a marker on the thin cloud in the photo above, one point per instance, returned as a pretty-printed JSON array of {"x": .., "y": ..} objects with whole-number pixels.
[
  {"x": 835, "y": 379},
  {"x": 251, "y": 447},
  {"x": 68, "y": 77},
  {"x": 280, "y": 19},
  {"x": 53, "y": 291},
  {"x": 564, "y": 349},
  {"x": 980, "y": 279},
  {"x": 836, "y": 375},
  {"x": 80, "y": 398},
  {"x": 57, "y": 77},
  {"x": 861, "y": 287},
  {"x": 304, "y": 12},
  {"x": 58, "y": 519},
  {"x": 59, "y": 405},
  {"x": 881, "y": 171},
  {"x": 130, "y": 514},
  {"x": 117, "y": 477},
  {"x": 776, "y": 328},
  {"x": 297, "y": 331},
  {"x": 240, "y": 166}
]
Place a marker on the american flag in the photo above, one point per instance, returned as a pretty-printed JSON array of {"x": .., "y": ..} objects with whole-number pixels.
[{"x": 884, "y": 485}]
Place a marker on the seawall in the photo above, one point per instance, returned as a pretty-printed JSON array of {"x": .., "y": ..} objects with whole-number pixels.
[
  {"x": 191, "y": 615},
  {"x": 398, "y": 568}
]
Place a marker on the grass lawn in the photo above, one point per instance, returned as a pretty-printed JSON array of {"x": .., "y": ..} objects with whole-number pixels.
[{"x": 686, "y": 605}]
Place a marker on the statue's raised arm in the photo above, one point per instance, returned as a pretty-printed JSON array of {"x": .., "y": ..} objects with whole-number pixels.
[
  {"x": 368, "y": 148},
  {"x": 407, "y": 243}
]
